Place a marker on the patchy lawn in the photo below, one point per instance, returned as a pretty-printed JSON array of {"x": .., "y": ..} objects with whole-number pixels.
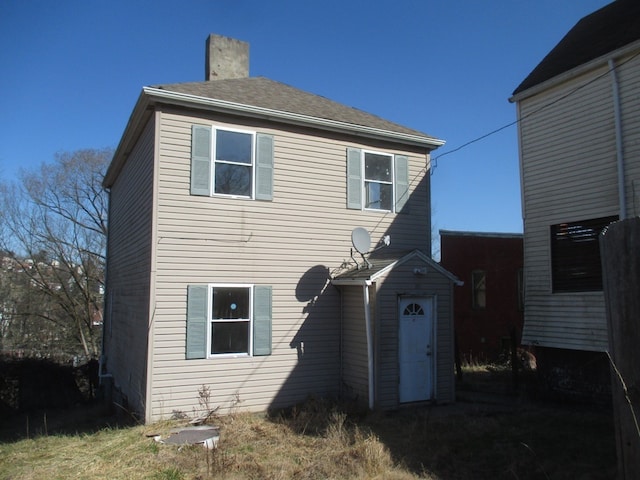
[{"x": 502, "y": 437}]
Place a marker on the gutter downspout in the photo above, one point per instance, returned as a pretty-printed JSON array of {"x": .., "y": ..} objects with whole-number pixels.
[
  {"x": 619, "y": 146},
  {"x": 367, "y": 321}
]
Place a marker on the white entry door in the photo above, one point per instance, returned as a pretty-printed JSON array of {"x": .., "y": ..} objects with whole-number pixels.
[{"x": 416, "y": 349}]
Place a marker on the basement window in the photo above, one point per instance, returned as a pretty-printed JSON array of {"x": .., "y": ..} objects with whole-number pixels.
[{"x": 575, "y": 255}]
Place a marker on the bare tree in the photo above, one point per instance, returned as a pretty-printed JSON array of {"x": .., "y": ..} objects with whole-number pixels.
[{"x": 54, "y": 219}]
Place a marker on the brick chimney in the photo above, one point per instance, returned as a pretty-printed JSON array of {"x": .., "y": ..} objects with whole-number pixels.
[{"x": 226, "y": 58}]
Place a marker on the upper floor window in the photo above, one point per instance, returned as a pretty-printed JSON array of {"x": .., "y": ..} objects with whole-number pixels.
[
  {"x": 479, "y": 289},
  {"x": 377, "y": 181},
  {"x": 231, "y": 163},
  {"x": 575, "y": 255}
]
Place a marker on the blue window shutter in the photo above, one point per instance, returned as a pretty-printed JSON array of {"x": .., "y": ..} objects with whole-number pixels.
[
  {"x": 354, "y": 178},
  {"x": 261, "y": 320},
  {"x": 197, "y": 321},
  {"x": 402, "y": 182},
  {"x": 264, "y": 167},
  {"x": 200, "y": 160}
]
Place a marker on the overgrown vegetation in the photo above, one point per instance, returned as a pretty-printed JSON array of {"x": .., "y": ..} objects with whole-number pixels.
[
  {"x": 53, "y": 225},
  {"x": 320, "y": 440}
]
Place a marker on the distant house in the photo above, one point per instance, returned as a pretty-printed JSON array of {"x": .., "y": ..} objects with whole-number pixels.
[
  {"x": 489, "y": 307},
  {"x": 231, "y": 261},
  {"x": 579, "y": 135}
]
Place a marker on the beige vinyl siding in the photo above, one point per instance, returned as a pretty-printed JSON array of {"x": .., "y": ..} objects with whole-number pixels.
[
  {"x": 355, "y": 364},
  {"x": 569, "y": 173},
  {"x": 128, "y": 276},
  {"x": 280, "y": 243},
  {"x": 402, "y": 282}
]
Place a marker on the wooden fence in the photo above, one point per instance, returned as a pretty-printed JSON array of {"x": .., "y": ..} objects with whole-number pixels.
[{"x": 620, "y": 253}]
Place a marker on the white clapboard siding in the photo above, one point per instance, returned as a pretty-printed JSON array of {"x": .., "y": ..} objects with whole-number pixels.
[{"x": 569, "y": 173}]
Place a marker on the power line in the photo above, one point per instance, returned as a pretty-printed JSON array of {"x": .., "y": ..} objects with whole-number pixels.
[{"x": 434, "y": 161}]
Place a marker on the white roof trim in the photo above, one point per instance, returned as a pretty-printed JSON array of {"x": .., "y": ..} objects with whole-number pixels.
[{"x": 288, "y": 117}]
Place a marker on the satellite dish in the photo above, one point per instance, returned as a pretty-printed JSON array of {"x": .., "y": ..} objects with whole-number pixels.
[{"x": 361, "y": 240}]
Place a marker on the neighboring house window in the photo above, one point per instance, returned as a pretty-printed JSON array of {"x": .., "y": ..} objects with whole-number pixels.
[
  {"x": 479, "y": 289},
  {"x": 228, "y": 319},
  {"x": 377, "y": 181},
  {"x": 575, "y": 255},
  {"x": 231, "y": 162}
]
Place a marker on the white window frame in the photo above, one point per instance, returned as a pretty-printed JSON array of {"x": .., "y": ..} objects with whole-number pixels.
[
  {"x": 211, "y": 320},
  {"x": 365, "y": 180},
  {"x": 214, "y": 161}
]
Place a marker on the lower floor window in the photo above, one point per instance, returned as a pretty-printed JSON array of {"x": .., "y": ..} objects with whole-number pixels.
[{"x": 230, "y": 321}]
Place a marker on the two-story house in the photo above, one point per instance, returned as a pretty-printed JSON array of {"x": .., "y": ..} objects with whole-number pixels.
[
  {"x": 247, "y": 251},
  {"x": 579, "y": 139}
]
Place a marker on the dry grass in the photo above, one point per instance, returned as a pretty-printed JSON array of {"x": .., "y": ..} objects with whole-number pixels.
[{"x": 320, "y": 440}]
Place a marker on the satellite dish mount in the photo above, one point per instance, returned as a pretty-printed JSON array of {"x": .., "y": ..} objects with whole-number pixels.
[{"x": 361, "y": 241}]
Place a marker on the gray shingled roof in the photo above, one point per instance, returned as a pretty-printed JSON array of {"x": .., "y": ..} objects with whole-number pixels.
[
  {"x": 264, "y": 93},
  {"x": 608, "y": 29}
]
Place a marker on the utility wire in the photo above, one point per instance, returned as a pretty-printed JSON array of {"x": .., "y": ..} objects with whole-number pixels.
[{"x": 534, "y": 112}]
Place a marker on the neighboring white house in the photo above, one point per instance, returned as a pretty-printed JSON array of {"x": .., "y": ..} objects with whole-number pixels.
[
  {"x": 579, "y": 140},
  {"x": 230, "y": 262}
]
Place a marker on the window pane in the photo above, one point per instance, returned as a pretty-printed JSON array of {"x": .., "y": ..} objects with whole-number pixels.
[
  {"x": 233, "y": 179},
  {"x": 230, "y": 303},
  {"x": 575, "y": 255},
  {"x": 379, "y": 195},
  {"x": 479, "y": 286},
  {"x": 230, "y": 337},
  {"x": 377, "y": 167},
  {"x": 233, "y": 146}
]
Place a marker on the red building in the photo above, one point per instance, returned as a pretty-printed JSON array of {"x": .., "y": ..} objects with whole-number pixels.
[{"x": 488, "y": 308}]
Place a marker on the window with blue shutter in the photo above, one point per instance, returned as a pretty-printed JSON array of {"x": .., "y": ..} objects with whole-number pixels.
[
  {"x": 264, "y": 167},
  {"x": 228, "y": 319},
  {"x": 197, "y": 321},
  {"x": 262, "y": 320},
  {"x": 401, "y": 182},
  {"x": 377, "y": 181},
  {"x": 354, "y": 178},
  {"x": 233, "y": 163},
  {"x": 200, "y": 160}
]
